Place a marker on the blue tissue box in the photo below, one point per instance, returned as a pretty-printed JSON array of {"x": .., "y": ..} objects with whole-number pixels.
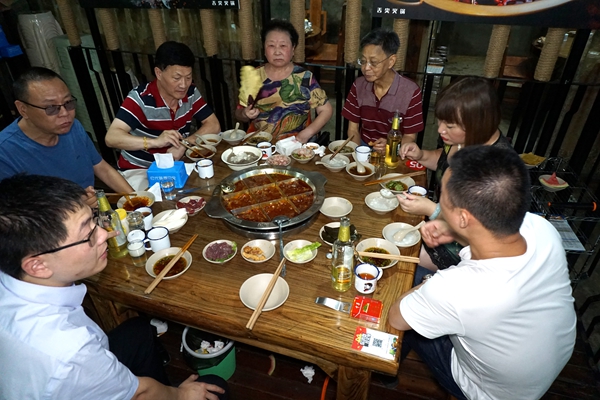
[{"x": 177, "y": 171}]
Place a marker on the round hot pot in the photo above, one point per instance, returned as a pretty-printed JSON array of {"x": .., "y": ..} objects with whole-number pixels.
[{"x": 265, "y": 192}]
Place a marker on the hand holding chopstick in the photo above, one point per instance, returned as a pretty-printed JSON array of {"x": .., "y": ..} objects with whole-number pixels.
[
  {"x": 340, "y": 148},
  {"x": 168, "y": 267},
  {"x": 265, "y": 296}
]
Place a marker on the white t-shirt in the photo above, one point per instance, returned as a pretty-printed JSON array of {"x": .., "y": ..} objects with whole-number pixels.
[
  {"x": 511, "y": 320},
  {"x": 49, "y": 348}
]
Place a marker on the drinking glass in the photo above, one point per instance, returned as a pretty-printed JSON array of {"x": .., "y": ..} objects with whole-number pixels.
[{"x": 167, "y": 186}]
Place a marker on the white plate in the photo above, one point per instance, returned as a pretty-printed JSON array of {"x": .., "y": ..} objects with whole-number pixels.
[
  {"x": 296, "y": 244},
  {"x": 187, "y": 200},
  {"x": 266, "y": 246},
  {"x": 381, "y": 243},
  {"x": 409, "y": 240},
  {"x": 171, "y": 251},
  {"x": 407, "y": 180},
  {"x": 231, "y": 243},
  {"x": 139, "y": 193},
  {"x": 172, "y": 227},
  {"x": 253, "y": 288}
]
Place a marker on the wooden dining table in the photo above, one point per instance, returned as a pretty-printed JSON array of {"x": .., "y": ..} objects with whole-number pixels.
[{"x": 206, "y": 296}]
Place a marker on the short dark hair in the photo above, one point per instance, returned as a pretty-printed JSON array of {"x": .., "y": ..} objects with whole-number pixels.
[
  {"x": 280, "y": 25},
  {"x": 33, "y": 211},
  {"x": 491, "y": 183},
  {"x": 20, "y": 85},
  {"x": 173, "y": 53},
  {"x": 387, "y": 39},
  {"x": 472, "y": 103}
]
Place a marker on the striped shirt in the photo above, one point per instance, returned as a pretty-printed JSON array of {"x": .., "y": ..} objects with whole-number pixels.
[
  {"x": 375, "y": 115},
  {"x": 145, "y": 111}
]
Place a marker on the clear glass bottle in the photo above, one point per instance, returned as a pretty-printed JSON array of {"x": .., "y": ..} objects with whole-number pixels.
[
  {"x": 394, "y": 140},
  {"x": 109, "y": 220},
  {"x": 135, "y": 220},
  {"x": 343, "y": 258}
]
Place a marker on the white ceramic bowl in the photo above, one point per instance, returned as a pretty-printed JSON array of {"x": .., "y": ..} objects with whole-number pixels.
[
  {"x": 562, "y": 184},
  {"x": 337, "y": 143},
  {"x": 210, "y": 139},
  {"x": 231, "y": 243},
  {"x": 296, "y": 244},
  {"x": 184, "y": 203},
  {"x": 171, "y": 251},
  {"x": 409, "y": 240},
  {"x": 369, "y": 171},
  {"x": 382, "y": 244},
  {"x": 233, "y": 137},
  {"x": 335, "y": 168},
  {"x": 140, "y": 193},
  {"x": 301, "y": 160},
  {"x": 279, "y": 160},
  {"x": 172, "y": 227},
  {"x": 379, "y": 204},
  {"x": 335, "y": 224},
  {"x": 253, "y": 288},
  {"x": 407, "y": 180},
  {"x": 258, "y": 138},
  {"x": 204, "y": 152},
  {"x": 267, "y": 248},
  {"x": 238, "y": 150},
  {"x": 336, "y": 207}
]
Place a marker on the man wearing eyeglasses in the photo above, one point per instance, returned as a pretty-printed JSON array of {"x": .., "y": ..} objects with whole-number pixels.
[
  {"x": 375, "y": 96},
  {"x": 48, "y": 140},
  {"x": 49, "y": 347}
]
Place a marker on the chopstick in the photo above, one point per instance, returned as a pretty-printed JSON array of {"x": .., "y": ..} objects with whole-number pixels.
[
  {"x": 265, "y": 296},
  {"x": 389, "y": 257},
  {"x": 400, "y": 176},
  {"x": 194, "y": 147},
  {"x": 121, "y": 194},
  {"x": 249, "y": 136},
  {"x": 340, "y": 148},
  {"x": 168, "y": 267}
]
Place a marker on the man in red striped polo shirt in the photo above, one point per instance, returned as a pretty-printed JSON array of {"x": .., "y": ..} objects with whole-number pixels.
[
  {"x": 375, "y": 96},
  {"x": 156, "y": 116}
]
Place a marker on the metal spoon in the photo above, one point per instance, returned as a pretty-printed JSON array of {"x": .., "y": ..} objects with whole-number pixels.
[
  {"x": 401, "y": 234},
  {"x": 280, "y": 220},
  {"x": 387, "y": 193}
]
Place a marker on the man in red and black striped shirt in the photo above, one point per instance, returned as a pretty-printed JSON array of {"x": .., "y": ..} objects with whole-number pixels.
[
  {"x": 156, "y": 116},
  {"x": 375, "y": 96}
]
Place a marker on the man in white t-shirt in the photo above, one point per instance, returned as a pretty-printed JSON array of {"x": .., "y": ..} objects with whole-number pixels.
[{"x": 501, "y": 323}]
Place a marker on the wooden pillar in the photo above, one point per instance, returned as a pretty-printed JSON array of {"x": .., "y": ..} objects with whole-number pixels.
[
  {"x": 68, "y": 18},
  {"x": 495, "y": 52},
  {"x": 297, "y": 13},
  {"x": 549, "y": 55},
  {"x": 401, "y": 27},
  {"x": 247, "y": 31},
  {"x": 209, "y": 32},
  {"x": 353, "y": 8},
  {"x": 157, "y": 26}
]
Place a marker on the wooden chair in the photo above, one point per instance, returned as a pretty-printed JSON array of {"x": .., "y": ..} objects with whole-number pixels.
[{"x": 317, "y": 51}]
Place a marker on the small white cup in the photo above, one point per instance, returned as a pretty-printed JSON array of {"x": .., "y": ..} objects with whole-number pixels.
[
  {"x": 147, "y": 213},
  {"x": 158, "y": 237},
  {"x": 205, "y": 169},
  {"x": 137, "y": 251},
  {"x": 417, "y": 191},
  {"x": 362, "y": 153},
  {"x": 366, "y": 277},
  {"x": 136, "y": 234},
  {"x": 267, "y": 149}
]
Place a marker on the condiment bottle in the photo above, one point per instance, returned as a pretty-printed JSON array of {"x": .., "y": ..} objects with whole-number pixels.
[
  {"x": 123, "y": 218},
  {"x": 343, "y": 258},
  {"x": 110, "y": 221},
  {"x": 394, "y": 140},
  {"x": 135, "y": 220}
]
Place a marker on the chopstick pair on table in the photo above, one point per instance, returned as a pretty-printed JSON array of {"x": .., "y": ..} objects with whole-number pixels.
[
  {"x": 168, "y": 267},
  {"x": 399, "y": 176}
]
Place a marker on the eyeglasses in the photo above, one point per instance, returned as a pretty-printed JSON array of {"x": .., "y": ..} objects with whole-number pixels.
[
  {"x": 374, "y": 64},
  {"x": 89, "y": 239},
  {"x": 55, "y": 108}
]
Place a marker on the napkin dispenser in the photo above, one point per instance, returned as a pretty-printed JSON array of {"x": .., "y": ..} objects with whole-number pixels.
[
  {"x": 177, "y": 171},
  {"x": 287, "y": 146}
]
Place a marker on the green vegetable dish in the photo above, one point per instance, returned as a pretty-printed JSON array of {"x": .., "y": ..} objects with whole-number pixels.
[
  {"x": 397, "y": 186},
  {"x": 303, "y": 253}
]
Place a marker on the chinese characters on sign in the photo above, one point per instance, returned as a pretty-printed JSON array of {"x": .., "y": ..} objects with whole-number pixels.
[{"x": 193, "y": 4}]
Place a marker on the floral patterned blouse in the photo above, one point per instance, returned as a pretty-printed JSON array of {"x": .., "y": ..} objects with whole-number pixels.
[{"x": 285, "y": 105}]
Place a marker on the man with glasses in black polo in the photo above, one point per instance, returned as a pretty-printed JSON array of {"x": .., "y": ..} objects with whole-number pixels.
[
  {"x": 375, "y": 96},
  {"x": 48, "y": 140}
]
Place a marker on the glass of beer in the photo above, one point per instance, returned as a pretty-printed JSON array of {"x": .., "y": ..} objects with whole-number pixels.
[{"x": 137, "y": 251}]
